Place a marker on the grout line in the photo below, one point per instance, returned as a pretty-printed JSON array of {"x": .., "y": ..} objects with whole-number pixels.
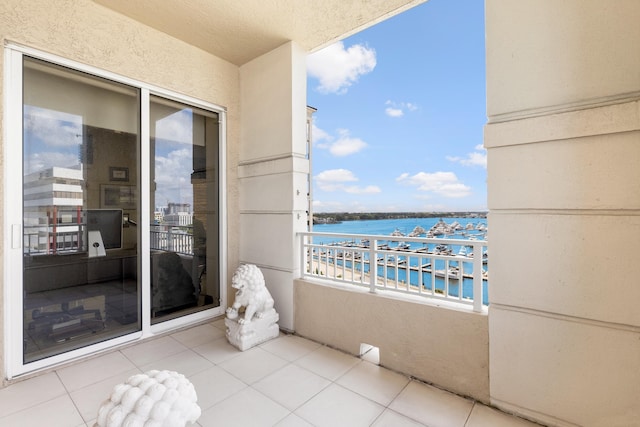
[
  {"x": 470, "y": 412},
  {"x": 288, "y": 363}
]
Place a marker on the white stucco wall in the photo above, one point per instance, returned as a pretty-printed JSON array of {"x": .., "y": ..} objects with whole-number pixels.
[
  {"x": 563, "y": 140},
  {"x": 273, "y": 169},
  {"x": 444, "y": 346},
  {"x": 85, "y": 32},
  {"x": 547, "y": 54}
]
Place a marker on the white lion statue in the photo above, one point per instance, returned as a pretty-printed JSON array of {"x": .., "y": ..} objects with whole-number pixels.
[{"x": 252, "y": 294}]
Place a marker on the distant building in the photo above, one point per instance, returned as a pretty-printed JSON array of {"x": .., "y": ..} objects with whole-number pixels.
[
  {"x": 179, "y": 218},
  {"x": 173, "y": 208},
  {"x": 178, "y": 214},
  {"x": 53, "y": 201}
]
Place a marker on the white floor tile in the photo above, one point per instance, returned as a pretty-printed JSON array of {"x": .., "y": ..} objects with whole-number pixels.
[
  {"x": 89, "y": 398},
  {"x": 245, "y": 408},
  {"x": 31, "y": 392},
  {"x": 89, "y": 372},
  {"x": 198, "y": 335},
  {"x": 214, "y": 385},
  {"x": 376, "y": 383},
  {"x": 328, "y": 362},
  {"x": 483, "y": 416},
  {"x": 292, "y": 420},
  {"x": 290, "y": 347},
  {"x": 432, "y": 406},
  {"x": 391, "y": 418},
  {"x": 291, "y": 386},
  {"x": 59, "y": 412},
  {"x": 150, "y": 351},
  {"x": 336, "y": 406},
  {"x": 253, "y": 365},
  {"x": 187, "y": 363},
  {"x": 217, "y": 351},
  {"x": 220, "y": 324}
]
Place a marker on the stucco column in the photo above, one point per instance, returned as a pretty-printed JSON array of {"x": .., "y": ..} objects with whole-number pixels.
[
  {"x": 273, "y": 169},
  {"x": 563, "y": 140}
]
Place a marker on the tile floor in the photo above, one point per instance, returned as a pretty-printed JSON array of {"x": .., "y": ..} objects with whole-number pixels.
[{"x": 288, "y": 381}]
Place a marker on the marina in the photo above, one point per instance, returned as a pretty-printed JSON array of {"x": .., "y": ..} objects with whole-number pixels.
[{"x": 405, "y": 261}]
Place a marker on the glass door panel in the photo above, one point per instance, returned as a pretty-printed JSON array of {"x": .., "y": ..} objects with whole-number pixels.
[
  {"x": 80, "y": 210},
  {"x": 184, "y": 232}
]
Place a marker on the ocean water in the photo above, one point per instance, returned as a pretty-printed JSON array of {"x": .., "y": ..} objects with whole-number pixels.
[{"x": 385, "y": 227}]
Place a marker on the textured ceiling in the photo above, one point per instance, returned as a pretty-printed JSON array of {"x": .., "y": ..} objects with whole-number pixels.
[{"x": 240, "y": 30}]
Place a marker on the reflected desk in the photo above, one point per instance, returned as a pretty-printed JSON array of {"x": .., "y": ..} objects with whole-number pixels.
[{"x": 66, "y": 296}]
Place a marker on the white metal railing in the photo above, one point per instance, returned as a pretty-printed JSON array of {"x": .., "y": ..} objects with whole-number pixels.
[
  {"x": 173, "y": 240},
  {"x": 449, "y": 269},
  {"x": 178, "y": 240}
]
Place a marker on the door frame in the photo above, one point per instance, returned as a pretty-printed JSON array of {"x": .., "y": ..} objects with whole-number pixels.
[{"x": 13, "y": 215}]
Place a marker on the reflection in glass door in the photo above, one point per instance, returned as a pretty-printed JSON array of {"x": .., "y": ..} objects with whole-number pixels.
[
  {"x": 184, "y": 232},
  {"x": 80, "y": 210}
]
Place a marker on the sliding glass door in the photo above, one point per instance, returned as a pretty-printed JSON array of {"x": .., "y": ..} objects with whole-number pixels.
[
  {"x": 80, "y": 181},
  {"x": 184, "y": 232},
  {"x": 112, "y": 205}
]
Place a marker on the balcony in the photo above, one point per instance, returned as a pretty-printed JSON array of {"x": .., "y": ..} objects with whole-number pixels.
[
  {"x": 452, "y": 270},
  {"x": 286, "y": 381},
  {"x": 430, "y": 327}
]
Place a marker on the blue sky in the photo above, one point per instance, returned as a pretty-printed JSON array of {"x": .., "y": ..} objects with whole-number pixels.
[{"x": 401, "y": 109}]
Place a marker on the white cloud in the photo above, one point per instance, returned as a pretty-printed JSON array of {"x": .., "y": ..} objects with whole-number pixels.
[
  {"x": 369, "y": 189},
  {"x": 475, "y": 158},
  {"x": 397, "y": 109},
  {"x": 51, "y": 138},
  {"x": 336, "y": 175},
  {"x": 174, "y": 158},
  {"x": 45, "y": 160},
  {"x": 328, "y": 206},
  {"x": 337, "y": 179},
  {"x": 394, "y": 112},
  {"x": 172, "y": 175},
  {"x": 53, "y": 128},
  {"x": 337, "y": 68},
  {"x": 345, "y": 145},
  {"x": 319, "y": 135},
  {"x": 445, "y": 184},
  {"x": 377, "y": 204},
  {"x": 177, "y": 127},
  {"x": 351, "y": 206}
]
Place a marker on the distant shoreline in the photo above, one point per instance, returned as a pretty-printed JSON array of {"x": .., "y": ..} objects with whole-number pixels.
[{"x": 338, "y": 217}]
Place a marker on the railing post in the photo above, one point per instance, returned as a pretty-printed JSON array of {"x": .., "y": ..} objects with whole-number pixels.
[
  {"x": 477, "y": 277},
  {"x": 373, "y": 265},
  {"x": 304, "y": 257}
]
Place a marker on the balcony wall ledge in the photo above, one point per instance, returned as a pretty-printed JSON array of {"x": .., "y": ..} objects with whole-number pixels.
[
  {"x": 402, "y": 296},
  {"x": 438, "y": 342}
]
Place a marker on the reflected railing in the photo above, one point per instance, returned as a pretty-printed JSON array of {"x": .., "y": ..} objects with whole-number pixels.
[
  {"x": 172, "y": 239},
  {"x": 40, "y": 241},
  {"x": 446, "y": 269}
]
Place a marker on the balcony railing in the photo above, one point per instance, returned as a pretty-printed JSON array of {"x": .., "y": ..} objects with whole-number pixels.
[
  {"x": 446, "y": 269},
  {"x": 39, "y": 240},
  {"x": 173, "y": 239}
]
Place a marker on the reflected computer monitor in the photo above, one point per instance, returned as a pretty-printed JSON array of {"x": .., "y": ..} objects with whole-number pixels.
[{"x": 109, "y": 223}]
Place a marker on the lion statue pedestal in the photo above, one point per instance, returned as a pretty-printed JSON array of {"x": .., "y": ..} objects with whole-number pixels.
[{"x": 260, "y": 321}]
